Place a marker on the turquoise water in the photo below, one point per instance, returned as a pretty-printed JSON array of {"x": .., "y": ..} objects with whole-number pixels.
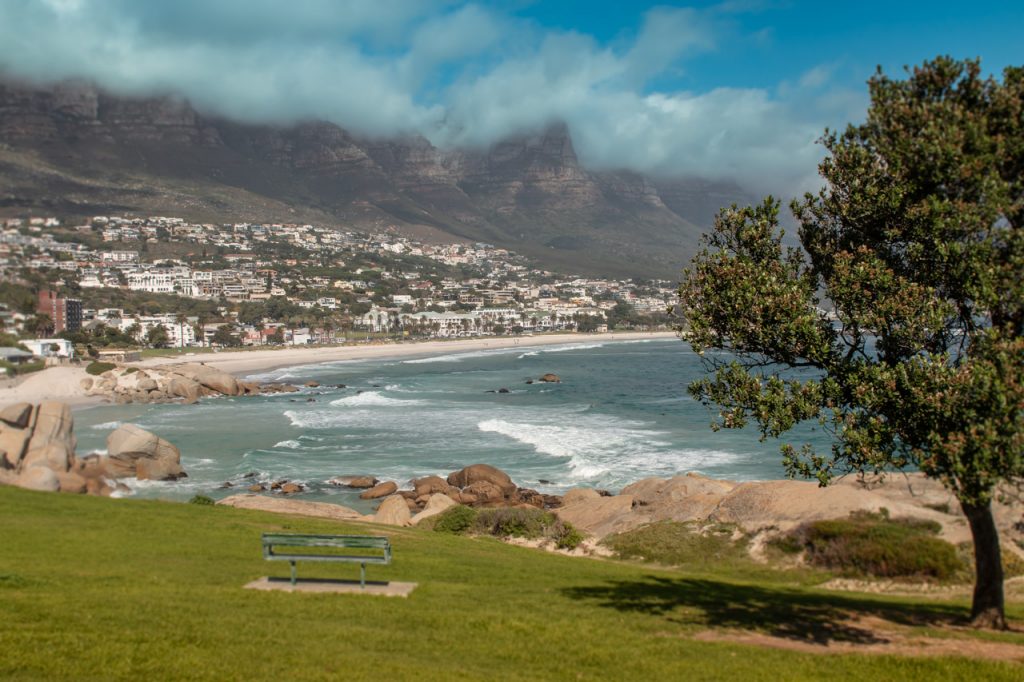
[{"x": 620, "y": 414}]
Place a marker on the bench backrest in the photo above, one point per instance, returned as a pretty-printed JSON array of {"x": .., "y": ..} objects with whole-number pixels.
[{"x": 340, "y": 541}]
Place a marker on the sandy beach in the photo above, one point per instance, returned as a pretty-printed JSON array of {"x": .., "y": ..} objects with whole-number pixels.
[{"x": 63, "y": 383}]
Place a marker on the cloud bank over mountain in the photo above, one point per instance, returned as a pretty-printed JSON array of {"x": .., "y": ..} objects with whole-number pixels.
[{"x": 460, "y": 74}]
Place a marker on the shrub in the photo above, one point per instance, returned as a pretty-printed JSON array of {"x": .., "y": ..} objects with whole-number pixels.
[
  {"x": 873, "y": 544},
  {"x": 96, "y": 368},
  {"x": 515, "y": 522},
  {"x": 201, "y": 499},
  {"x": 674, "y": 543},
  {"x": 131, "y": 370},
  {"x": 565, "y": 535},
  {"x": 457, "y": 519}
]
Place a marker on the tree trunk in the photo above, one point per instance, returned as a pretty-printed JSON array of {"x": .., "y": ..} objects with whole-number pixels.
[{"x": 987, "y": 607}]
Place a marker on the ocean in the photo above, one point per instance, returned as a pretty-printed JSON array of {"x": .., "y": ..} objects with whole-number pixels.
[{"x": 620, "y": 414}]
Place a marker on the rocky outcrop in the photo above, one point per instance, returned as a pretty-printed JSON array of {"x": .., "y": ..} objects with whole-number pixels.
[
  {"x": 37, "y": 451},
  {"x": 380, "y": 490},
  {"x": 184, "y": 382},
  {"x": 393, "y": 511},
  {"x": 135, "y": 452},
  {"x": 283, "y": 505},
  {"x": 436, "y": 504},
  {"x": 358, "y": 482},
  {"x": 551, "y": 379}
]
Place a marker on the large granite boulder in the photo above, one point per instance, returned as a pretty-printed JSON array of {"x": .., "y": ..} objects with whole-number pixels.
[
  {"x": 393, "y": 511},
  {"x": 354, "y": 481},
  {"x": 13, "y": 443},
  {"x": 133, "y": 451},
  {"x": 601, "y": 516},
  {"x": 38, "y": 478},
  {"x": 380, "y": 490},
  {"x": 210, "y": 377},
  {"x": 437, "y": 503},
  {"x": 17, "y": 415},
  {"x": 429, "y": 485},
  {"x": 482, "y": 473},
  {"x": 550, "y": 378},
  {"x": 183, "y": 387},
  {"x": 284, "y": 505},
  {"x": 53, "y": 442}
]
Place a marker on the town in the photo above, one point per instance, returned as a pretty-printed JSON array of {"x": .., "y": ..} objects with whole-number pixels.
[{"x": 163, "y": 282}]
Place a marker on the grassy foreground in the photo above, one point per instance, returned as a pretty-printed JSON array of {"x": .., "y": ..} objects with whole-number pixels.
[{"x": 132, "y": 589}]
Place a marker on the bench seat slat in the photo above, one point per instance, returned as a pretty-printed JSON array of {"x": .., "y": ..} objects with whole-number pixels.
[{"x": 331, "y": 557}]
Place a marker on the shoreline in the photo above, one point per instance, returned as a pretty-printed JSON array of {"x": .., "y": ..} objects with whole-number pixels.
[
  {"x": 63, "y": 383},
  {"x": 241, "y": 363}
]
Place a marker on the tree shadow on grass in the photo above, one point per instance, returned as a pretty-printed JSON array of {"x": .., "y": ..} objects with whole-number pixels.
[{"x": 792, "y": 614}]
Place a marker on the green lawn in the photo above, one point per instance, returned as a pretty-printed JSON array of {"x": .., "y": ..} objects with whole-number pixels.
[{"x": 131, "y": 589}]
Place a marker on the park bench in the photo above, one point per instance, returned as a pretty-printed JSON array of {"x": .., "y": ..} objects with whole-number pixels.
[{"x": 274, "y": 542}]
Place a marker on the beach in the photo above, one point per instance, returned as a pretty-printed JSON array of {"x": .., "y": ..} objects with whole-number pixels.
[{"x": 64, "y": 383}]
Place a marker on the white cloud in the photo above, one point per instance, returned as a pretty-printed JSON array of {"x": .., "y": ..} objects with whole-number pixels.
[{"x": 457, "y": 72}]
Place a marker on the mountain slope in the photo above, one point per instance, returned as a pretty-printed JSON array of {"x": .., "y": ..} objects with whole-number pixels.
[{"x": 74, "y": 149}]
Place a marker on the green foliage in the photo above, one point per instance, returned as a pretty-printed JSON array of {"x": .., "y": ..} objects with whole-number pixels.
[
  {"x": 96, "y": 368},
  {"x": 875, "y": 545},
  {"x": 672, "y": 543},
  {"x": 23, "y": 367},
  {"x": 201, "y": 499},
  {"x": 457, "y": 519},
  {"x": 513, "y": 522},
  {"x": 917, "y": 239}
]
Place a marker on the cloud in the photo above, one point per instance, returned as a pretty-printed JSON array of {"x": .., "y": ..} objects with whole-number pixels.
[{"x": 459, "y": 73}]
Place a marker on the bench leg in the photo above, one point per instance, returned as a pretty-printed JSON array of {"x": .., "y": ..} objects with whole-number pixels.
[
  {"x": 362, "y": 576},
  {"x": 293, "y": 572}
]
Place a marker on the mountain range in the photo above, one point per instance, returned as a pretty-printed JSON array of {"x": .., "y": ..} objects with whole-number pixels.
[{"x": 74, "y": 149}]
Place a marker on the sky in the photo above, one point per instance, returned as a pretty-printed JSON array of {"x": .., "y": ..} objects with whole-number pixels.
[{"x": 734, "y": 89}]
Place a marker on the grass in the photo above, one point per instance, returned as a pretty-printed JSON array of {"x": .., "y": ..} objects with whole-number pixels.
[{"x": 97, "y": 588}]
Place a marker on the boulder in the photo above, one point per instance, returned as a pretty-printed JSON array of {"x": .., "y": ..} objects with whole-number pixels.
[
  {"x": 550, "y": 378},
  {"x": 485, "y": 492},
  {"x": 52, "y": 442},
  {"x": 183, "y": 387},
  {"x": 291, "y": 488},
  {"x": 210, "y": 377},
  {"x": 312, "y": 384},
  {"x": 602, "y": 515},
  {"x": 133, "y": 451},
  {"x": 379, "y": 490},
  {"x": 393, "y": 511},
  {"x": 435, "y": 505},
  {"x": 482, "y": 473},
  {"x": 428, "y": 485},
  {"x": 17, "y": 415},
  {"x": 86, "y": 383},
  {"x": 38, "y": 478},
  {"x": 72, "y": 482},
  {"x": 147, "y": 385},
  {"x": 13, "y": 442},
  {"x": 285, "y": 505},
  {"x": 354, "y": 481},
  {"x": 579, "y": 495}
]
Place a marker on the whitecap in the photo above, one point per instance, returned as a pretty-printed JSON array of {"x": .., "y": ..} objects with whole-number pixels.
[
  {"x": 373, "y": 399},
  {"x": 290, "y": 444},
  {"x": 106, "y": 425}
]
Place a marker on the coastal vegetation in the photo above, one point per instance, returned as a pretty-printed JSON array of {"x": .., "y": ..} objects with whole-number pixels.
[
  {"x": 917, "y": 241},
  {"x": 130, "y": 589}
]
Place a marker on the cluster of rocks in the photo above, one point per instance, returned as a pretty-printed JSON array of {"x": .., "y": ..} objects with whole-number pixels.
[
  {"x": 37, "y": 451},
  {"x": 187, "y": 382}
]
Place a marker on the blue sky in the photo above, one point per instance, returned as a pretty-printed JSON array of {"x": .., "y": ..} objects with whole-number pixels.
[{"x": 732, "y": 89}]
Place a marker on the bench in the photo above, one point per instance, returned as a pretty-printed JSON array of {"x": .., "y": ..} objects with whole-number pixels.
[{"x": 272, "y": 542}]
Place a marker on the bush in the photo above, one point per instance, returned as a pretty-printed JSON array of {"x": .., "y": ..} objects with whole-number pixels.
[
  {"x": 674, "y": 543},
  {"x": 201, "y": 499},
  {"x": 873, "y": 544},
  {"x": 457, "y": 519},
  {"x": 565, "y": 535},
  {"x": 96, "y": 368},
  {"x": 520, "y": 523}
]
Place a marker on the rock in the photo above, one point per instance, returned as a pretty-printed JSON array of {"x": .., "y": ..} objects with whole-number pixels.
[
  {"x": 312, "y": 384},
  {"x": 256, "y": 488},
  {"x": 529, "y": 381},
  {"x": 291, "y": 488},
  {"x": 278, "y": 388},
  {"x": 435, "y": 505},
  {"x": 147, "y": 385},
  {"x": 476, "y": 473},
  {"x": 183, "y": 387},
  {"x": 86, "y": 383},
  {"x": 429, "y": 485},
  {"x": 485, "y": 492},
  {"x": 354, "y": 481},
  {"x": 97, "y": 486},
  {"x": 53, "y": 441},
  {"x": 599, "y": 516},
  {"x": 17, "y": 415},
  {"x": 132, "y": 451},
  {"x": 72, "y": 482},
  {"x": 393, "y": 511},
  {"x": 579, "y": 495},
  {"x": 38, "y": 478},
  {"x": 379, "y": 490},
  {"x": 551, "y": 379},
  {"x": 284, "y": 505},
  {"x": 210, "y": 377},
  {"x": 503, "y": 390},
  {"x": 14, "y": 442}
]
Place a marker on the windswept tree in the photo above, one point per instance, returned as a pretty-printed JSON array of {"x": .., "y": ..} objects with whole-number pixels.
[{"x": 917, "y": 241}]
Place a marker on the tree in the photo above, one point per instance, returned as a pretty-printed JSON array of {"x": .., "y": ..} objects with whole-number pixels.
[
  {"x": 225, "y": 336},
  {"x": 157, "y": 336},
  {"x": 917, "y": 240}
]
